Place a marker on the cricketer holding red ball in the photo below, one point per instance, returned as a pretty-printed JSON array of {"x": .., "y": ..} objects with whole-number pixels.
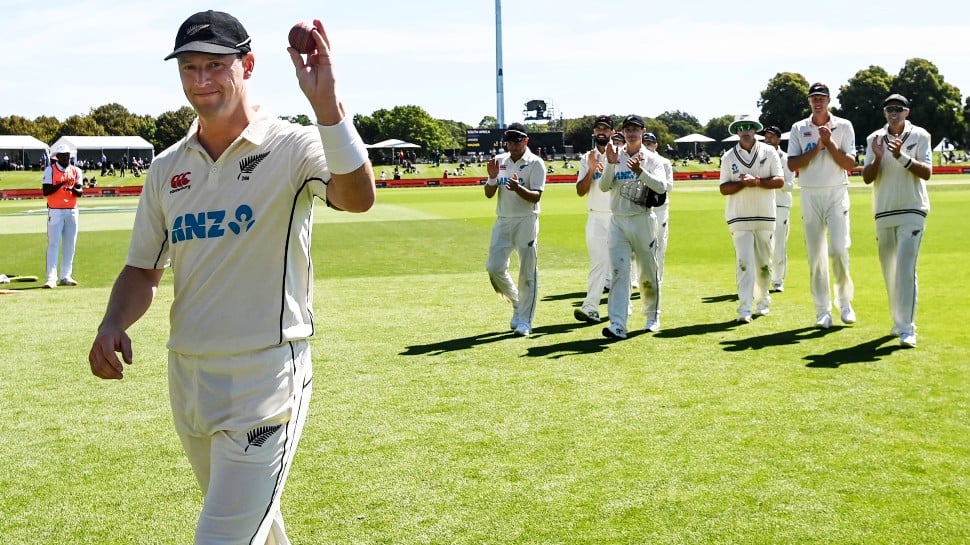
[{"x": 228, "y": 207}]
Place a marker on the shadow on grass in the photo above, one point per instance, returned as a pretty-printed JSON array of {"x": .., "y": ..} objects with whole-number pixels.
[
  {"x": 575, "y": 348},
  {"x": 453, "y": 345},
  {"x": 578, "y": 298},
  {"x": 720, "y": 298},
  {"x": 781, "y": 338},
  {"x": 870, "y": 351},
  {"x": 565, "y": 296},
  {"x": 696, "y": 329},
  {"x": 465, "y": 343}
]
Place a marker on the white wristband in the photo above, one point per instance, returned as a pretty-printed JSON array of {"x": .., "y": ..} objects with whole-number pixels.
[
  {"x": 491, "y": 181},
  {"x": 343, "y": 147},
  {"x": 904, "y": 160}
]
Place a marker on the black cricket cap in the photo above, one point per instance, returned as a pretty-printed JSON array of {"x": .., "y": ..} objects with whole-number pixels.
[
  {"x": 515, "y": 132},
  {"x": 896, "y": 97},
  {"x": 603, "y": 120},
  {"x": 632, "y": 120},
  {"x": 213, "y": 32},
  {"x": 818, "y": 89}
]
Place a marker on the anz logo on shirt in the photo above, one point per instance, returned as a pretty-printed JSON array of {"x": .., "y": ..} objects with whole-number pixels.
[
  {"x": 212, "y": 224},
  {"x": 625, "y": 175}
]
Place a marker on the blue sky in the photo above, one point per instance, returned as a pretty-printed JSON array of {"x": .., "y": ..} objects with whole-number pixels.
[{"x": 707, "y": 58}]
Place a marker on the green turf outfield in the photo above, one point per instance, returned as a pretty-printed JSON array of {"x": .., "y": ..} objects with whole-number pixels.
[{"x": 431, "y": 424}]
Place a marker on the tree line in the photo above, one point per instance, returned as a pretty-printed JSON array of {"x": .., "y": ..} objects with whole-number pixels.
[{"x": 936, "y": 106}]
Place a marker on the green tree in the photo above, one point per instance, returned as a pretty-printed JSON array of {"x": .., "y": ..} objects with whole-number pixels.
[
  {"x": 116, "y": 120},
  {"x": 147, "y": 128},
  {"x": 456, "y": 133},
  {"x": 934, "y": 104},
  {"x": 488, "y": 122},
  {"x": 80, "y": 125},
  {"x": 45, "y": 127},
  {"x": 679, "y": 123},
  {"x": 965, "y": 137},
  {"x": 860, "y": 100},
  {"x": 16, "y": 125},
  {"x": 785, "y": 100},
  {"x": 409, "y": 123},
  {"x": 170, "y": 127},
  {"x": 717, "y": 128}
]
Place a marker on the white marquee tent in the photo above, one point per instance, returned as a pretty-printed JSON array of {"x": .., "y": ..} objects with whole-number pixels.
[
  {"x": 25, "y": 151},
  {"x": 90, "y": 148}
]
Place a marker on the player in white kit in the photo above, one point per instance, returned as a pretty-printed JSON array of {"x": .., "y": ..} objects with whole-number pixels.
[
  {"x": 518, "y": 177},
  {"x": 822, "y": 149},
  {"x": 62, "y": 186},
  {"x": 662, "y": 212},
  {"x": 630, "y": 171},
  {"x": 591, "y": 167},
  {"x": 783, "y": 202},
  {"x": 750, "y": 174},
  {"x": 230, "y": 209},
  {"x": 898, "y": 162}
]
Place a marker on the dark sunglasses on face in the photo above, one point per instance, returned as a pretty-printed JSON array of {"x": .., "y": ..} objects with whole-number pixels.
[
  {"x": 740, "y": 127},
  {"x": 895, "y": 109}
]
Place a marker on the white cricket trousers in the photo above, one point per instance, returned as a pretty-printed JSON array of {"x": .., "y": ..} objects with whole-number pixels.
[
  {"x": 663, "y": 217},
  {"x": 239, "y": 419},
  {"x": 752, "y": 251},
  {"x": 629, "y": 236},
  {"x": 898, "y": 250},
  {"x": 779, "y": 262},
  {"x": 597, "y": 237},
  {"x": 521, "y": 235},
  {"x": 61, "y": 227},
  {"x": 827, "y": 209}
]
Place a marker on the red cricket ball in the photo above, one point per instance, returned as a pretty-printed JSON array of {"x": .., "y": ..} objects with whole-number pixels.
[{"x": 301, "y": 38}]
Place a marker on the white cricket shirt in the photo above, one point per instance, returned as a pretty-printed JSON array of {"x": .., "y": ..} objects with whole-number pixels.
[
  {"x": 752, "y": 208},
  {"x": 822, "y": 171},
  {"x": 531, "y": 171},
  {"x": 236, "y": 233},
  {"x": 898, "y": 195},
  {"x": 596, "y": 199}
]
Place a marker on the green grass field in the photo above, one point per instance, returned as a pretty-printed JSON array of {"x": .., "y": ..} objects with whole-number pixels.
[{"x": 432, "y": 424}]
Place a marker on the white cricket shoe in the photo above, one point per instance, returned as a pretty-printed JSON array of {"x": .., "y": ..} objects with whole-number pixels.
[
  {"x": 907, "y": 339},
  {"x": 762, "y": 309},
  {"x": 49, "y": 285},
  {"x": 67, "y": 281},
  {"x": 614, "y": 331},
  {"x": 824, "y": 321},
  {"x": 778, "y": 286},
  {"x": 524, "y": 329},
  {"x": 744, "y": 318},
  {"x": 847, "y": 314},
  {"x": 653, "y": 325},
  {"x": 583, "y": 315}
]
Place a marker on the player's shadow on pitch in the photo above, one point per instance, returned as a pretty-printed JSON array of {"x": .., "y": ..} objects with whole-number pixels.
[
  {"x": 454, "y": 345},
  {"x": 695, "y": 329},
  {"x": 465, "y": 343},
  {"x": 780, "y": 338},
  {"x": 867, "y": 352},
  {"x": 565, "y": 296},
  {"x": 720, "y": 298}
]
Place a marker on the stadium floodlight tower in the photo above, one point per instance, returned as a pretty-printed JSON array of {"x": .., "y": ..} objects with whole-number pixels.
[{"x": 499, "y": 85}]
